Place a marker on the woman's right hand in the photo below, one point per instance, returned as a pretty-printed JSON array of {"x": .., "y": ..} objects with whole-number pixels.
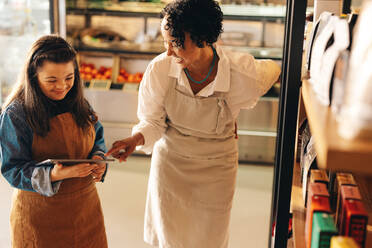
[
  {"x": 60, "y": 172},
  {"x": 121, "y": 149}
]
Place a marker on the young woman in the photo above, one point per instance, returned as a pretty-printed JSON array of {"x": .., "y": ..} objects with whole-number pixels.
[
  {"x": 46, "y": 116},
  {"x": 189, "y": 100}
]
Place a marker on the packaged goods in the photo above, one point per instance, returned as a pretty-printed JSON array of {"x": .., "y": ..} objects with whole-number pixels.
[
  {"x": 340, "y": 179},
  {"x": 346, "y": 192},
  {"x": 323, "y": 230},
  {"x": 319, "y": 176},
  {"x": 355, "y": 219},
  {"x": 343, "y": 242},
  {"x": 317, "y": 204}
]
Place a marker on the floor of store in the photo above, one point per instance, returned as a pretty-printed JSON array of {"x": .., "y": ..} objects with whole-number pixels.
[{"x": 123, "y": 198}]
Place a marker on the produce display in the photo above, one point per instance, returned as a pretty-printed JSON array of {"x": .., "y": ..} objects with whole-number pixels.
[
  {"x": 124, "y": 76},
  {"x": 88, "y": 71}
]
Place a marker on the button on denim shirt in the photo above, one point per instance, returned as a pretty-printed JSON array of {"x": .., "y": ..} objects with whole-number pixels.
[{"x": 16, "y": 137}]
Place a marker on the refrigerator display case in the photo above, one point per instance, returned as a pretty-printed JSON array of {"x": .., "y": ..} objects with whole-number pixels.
[{"x": 117, "y": 39}]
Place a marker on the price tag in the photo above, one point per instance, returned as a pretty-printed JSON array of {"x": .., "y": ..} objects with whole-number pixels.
[
  {"x": 100, "y": 84},
  {"x": 131, "y": 87}
]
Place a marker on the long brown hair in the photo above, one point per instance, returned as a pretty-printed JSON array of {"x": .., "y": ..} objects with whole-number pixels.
[{"x": 37, "y": 106}]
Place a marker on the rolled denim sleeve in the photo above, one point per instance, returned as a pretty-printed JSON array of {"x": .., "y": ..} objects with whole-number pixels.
[
  {"x": 41, "y": 182},
  {"x": 18, "y": 167},
  {"x": 99, "y": 147}
]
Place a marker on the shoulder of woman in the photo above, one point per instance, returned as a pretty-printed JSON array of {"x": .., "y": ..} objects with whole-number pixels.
[
  {"x": 239, "y": 61},
  {"x": 160, "y": 62},
  {"x": 14, "y": 110},
  {"x": 14, "y": 116}
]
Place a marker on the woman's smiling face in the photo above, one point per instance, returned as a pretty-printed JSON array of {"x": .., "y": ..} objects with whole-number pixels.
[
  {"x": 184, "y": 56},
  {"x": 56, "y": 79}
]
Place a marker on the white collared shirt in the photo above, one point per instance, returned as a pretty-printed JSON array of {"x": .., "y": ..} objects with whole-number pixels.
[{"x": 244, "y": 78}]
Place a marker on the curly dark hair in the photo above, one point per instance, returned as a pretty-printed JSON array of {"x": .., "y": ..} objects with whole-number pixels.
[{"x": 201, "y": 18}]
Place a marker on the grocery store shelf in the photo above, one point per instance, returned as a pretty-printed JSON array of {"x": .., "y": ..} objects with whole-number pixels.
[
  {"x": 334, "y": 152},
  {"x": 270, "y": 13},
  {"x": 116, "y": 51},
  {"x": 257, "y": 52},
  {"x": 111, "y": 12},
  {"x": 299, "y": 211},
  {"x": 142, "y": 9}
]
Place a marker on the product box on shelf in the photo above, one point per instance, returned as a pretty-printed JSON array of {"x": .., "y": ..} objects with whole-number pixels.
[
  {"x": 319, "y": 176},
  {"x": 341, "y": 178},
  {"x": 318, "y": 204},
  {"x": 343, "y": 242},
  {"x": 355, "y": 219},
  {"x": 346, "y": 192},
  {"x": 318, "y": 200},
  {"x": 324, "y": 229}
]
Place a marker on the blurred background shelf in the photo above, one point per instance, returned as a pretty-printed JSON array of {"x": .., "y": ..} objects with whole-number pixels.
[
  {"x": 252, "y": 12},
  {"x": 264, "y": 17},
  {"x": 257, "y": 52}
]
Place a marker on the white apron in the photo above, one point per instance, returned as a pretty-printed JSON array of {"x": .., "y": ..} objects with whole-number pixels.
[{"x": 193, "y": 174}]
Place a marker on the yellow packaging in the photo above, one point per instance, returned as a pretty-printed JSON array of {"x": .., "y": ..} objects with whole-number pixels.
[{"x": 343, "y": 242}]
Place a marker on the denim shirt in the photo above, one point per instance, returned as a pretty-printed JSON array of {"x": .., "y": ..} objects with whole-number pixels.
[{"x": 16, "y": 137}]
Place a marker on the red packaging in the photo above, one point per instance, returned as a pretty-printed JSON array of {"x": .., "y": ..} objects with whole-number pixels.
[
  {"x": 346, "y": 192},
  {"x": 317, "y": 204},
  {"x": 355, "y": 221}
]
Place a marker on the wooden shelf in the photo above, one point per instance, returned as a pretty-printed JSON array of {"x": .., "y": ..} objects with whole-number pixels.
[
  {"x": 298, "y": 210},
  {"x": 334, "y": 152}
]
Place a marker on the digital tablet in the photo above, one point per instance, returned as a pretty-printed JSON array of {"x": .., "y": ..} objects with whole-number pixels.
[{"x": 75, "y": 161}]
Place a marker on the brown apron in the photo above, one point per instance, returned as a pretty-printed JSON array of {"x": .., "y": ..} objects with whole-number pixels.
[{"x": 73, "y": 217}]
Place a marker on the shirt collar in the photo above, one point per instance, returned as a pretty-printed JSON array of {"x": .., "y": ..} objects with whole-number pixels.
[{"x": 221, "y": 82}]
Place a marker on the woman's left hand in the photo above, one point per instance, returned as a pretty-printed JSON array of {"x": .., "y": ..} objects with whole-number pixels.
[{"x": 99, "y": 171}]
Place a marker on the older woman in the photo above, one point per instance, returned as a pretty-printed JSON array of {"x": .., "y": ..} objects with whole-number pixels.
[{"x": 189, "y": 100}]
